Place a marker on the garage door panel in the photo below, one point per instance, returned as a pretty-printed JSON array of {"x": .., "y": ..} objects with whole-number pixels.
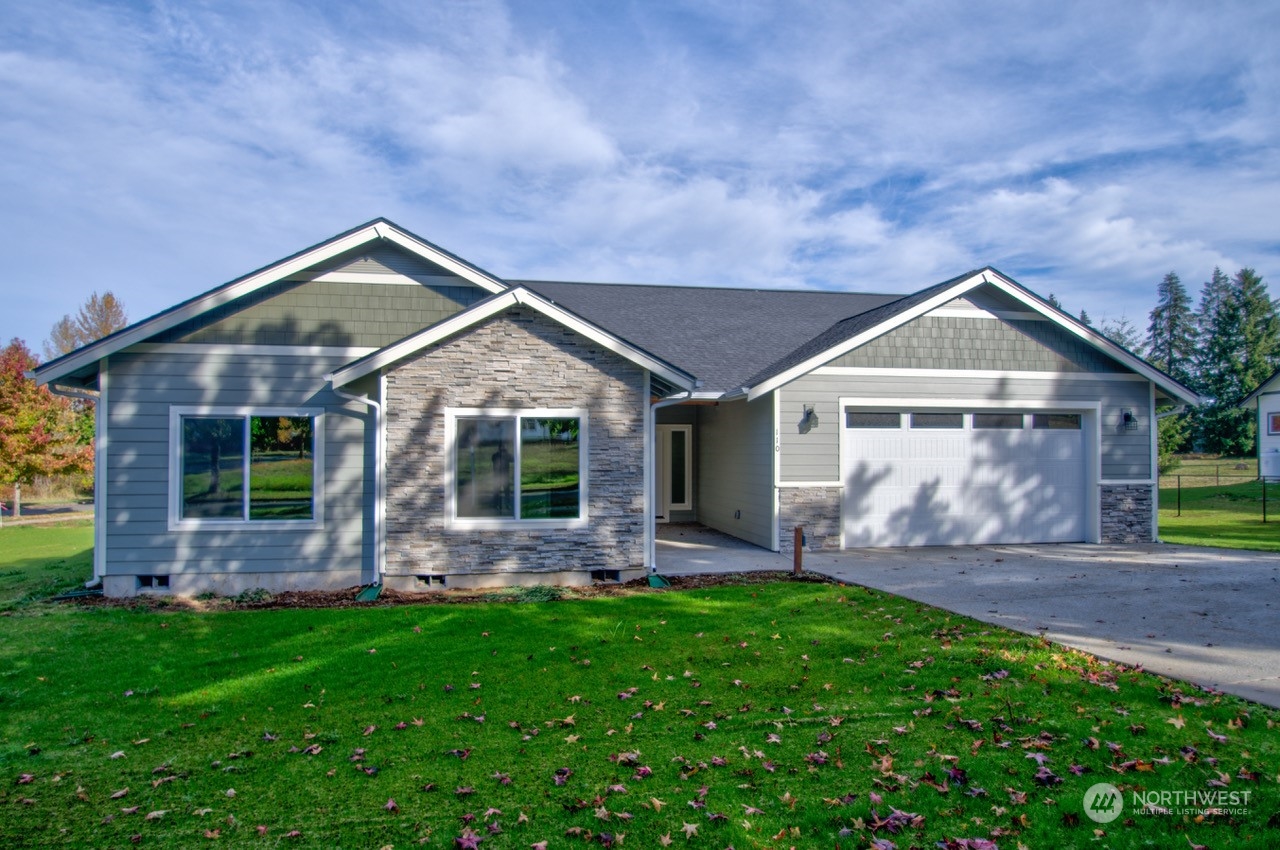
[{"x": 922, "y": 487}]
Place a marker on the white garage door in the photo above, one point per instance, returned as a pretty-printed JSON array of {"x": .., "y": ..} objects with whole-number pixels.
[{"x": 931, "y": 478}]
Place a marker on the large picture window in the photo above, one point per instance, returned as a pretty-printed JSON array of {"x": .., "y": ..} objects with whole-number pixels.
[
  {"x": 518, "y": 466},
  {"x": 251, "y": 467}
]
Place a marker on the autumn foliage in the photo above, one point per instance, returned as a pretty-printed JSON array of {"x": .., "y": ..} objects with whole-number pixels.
[{"x": 37, "y": 428}]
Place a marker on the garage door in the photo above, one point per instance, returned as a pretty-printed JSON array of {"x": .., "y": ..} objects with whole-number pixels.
[{"x": 933, "y": 478}]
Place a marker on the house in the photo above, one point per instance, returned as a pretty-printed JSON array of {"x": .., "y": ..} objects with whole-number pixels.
[
  {"x": 376, "y": 409},
  {"x": 1266, "y": 401}
]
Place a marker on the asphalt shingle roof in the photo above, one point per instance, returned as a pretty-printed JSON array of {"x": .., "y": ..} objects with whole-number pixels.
[{"x": 722, "y": 336}]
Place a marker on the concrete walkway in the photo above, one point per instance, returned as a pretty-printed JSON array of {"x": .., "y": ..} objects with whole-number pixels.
[{"x": 1208, "y": 616}]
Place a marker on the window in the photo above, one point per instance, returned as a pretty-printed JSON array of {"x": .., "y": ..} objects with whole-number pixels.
[
  {"x": 870, "y": 419},
  {"x": 1273, "y": 423},
  {"x": 1000, "y": 421},
  {"x": 518, "y": 467},
  {"x": 237, "y": 467},
  {"x": 1055, "y": 421},
  {"x": 937, "y": 420}
]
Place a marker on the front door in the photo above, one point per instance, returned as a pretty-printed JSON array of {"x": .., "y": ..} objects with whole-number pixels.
[{"x": 673, "y": 476}]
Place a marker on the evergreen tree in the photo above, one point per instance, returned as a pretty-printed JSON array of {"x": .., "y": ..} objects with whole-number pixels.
[
  {"x": 1084, "y": 318},
  {"x": 1259, "y": 330},
  {"x": 1171, "y": 336},
  {"x": 1053, "y": 299},
  {"x": 1123, "y": 333}
]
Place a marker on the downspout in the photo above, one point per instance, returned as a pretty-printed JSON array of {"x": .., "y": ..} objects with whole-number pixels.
[
  {"x": 652, "y": 430},
  {"x": 379, "y": 553}
]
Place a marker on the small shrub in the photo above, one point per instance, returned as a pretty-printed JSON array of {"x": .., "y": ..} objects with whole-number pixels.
[{"x": 253, "y": 596}]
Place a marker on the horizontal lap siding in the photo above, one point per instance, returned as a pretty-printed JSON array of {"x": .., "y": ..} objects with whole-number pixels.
[
  {"x": 815, "y": 456},
  {"x": 734, "y": 448},
  {"x": 143, "y": 388}
]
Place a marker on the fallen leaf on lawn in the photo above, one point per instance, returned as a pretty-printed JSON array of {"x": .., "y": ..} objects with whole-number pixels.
[
  {"x": 391, "y": 806},
  {"x": 118, "y": 754},
  {"x": 690, "y": 830},
  {"x": 156, "y": 815}
]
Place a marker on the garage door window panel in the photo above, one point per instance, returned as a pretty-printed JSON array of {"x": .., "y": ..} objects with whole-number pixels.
[{"x": 997, "y": 421}]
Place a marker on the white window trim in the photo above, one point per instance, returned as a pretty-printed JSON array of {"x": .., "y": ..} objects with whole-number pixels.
[
  {"x": 451, "y": 417},
  {"x": 176, "y": 520}
]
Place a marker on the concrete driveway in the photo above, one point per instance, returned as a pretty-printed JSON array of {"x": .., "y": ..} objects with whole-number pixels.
[{"x": 1209, "y": 616}]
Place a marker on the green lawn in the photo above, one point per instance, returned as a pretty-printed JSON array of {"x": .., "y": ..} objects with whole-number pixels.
[
  {"x": 1229, "y": 515},
  {"x": 754, "y": 716},
  {"x": 37, "y": 562}
]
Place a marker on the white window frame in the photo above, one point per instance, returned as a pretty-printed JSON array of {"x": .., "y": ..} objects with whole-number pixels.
[
  {"x": 177, "y": 522},
  {"x": 451, "y": 417}
]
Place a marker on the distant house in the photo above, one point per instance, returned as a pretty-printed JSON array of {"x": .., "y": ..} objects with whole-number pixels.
[
  {"x": 376, "y": 409},
  {"x": 1265, "y": 400}
]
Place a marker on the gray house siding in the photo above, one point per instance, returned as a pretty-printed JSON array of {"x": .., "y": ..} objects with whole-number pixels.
[
  {"x": 143, "y": 388},
  {"x": 954, "y": 342},
  {"x": 519, "y": 360},
  {"x": 734, "y": 445},
  {"x": 815, "y": 456},
  {"x": 369, "y": 315}
]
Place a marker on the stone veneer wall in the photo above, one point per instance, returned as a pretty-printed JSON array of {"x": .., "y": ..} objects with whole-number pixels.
[
  {"x": 815, "y": 508},
  {"x": 1126, "y": 513},
  {"x": 519, "y": 359}
]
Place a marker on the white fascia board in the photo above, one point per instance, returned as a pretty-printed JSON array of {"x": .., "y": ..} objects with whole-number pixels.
[
  {"x": 803, "y": 368},
  {"x": 1097, "y": 340},
  {"x": 491, "y": 307},
  {"x": 438, "y": 257}
]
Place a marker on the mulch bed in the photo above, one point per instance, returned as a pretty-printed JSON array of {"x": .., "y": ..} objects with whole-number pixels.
[{"x": 346, "y": 597}]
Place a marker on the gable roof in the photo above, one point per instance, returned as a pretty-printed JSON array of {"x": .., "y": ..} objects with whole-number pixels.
[
  {"x": 82, "y": 363},
  {"x": 851, "y": 333},
  {"x": 722, "y": 335},
  {"x": 664, "y": 371}
]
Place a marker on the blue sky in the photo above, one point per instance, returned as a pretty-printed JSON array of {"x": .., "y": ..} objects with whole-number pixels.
[{"x": 1085, "y": 149}]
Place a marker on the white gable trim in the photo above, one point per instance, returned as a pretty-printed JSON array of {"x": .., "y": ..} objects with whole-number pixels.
[
  {"x": 866, "y": 336},
  {"x": 371, "y": 233},
  {"x": 491, "y": 307},
  {"x": 986, "y": 276}
]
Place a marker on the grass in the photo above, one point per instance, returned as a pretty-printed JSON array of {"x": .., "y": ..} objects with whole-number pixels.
[
  {"x": 1229, "y": 515},
  {"x": 37, "y": 562},
  {"x": 758, "y": 715}
]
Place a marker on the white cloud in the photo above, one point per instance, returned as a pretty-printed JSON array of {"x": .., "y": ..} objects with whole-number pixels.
[{"x": 1083, "y": 149}]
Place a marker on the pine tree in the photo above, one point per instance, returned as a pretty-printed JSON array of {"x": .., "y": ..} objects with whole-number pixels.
[
  {"x": 1084, "y": 318},
  {"x": 1259, "y": 330},
  {"x": 1171, "y": 336},
  {"x": 1123, "y": 333}
]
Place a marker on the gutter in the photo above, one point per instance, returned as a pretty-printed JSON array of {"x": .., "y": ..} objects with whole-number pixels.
[
  {"x": 1181, "y": 408},
  {"x": 379, "y": 507}
]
